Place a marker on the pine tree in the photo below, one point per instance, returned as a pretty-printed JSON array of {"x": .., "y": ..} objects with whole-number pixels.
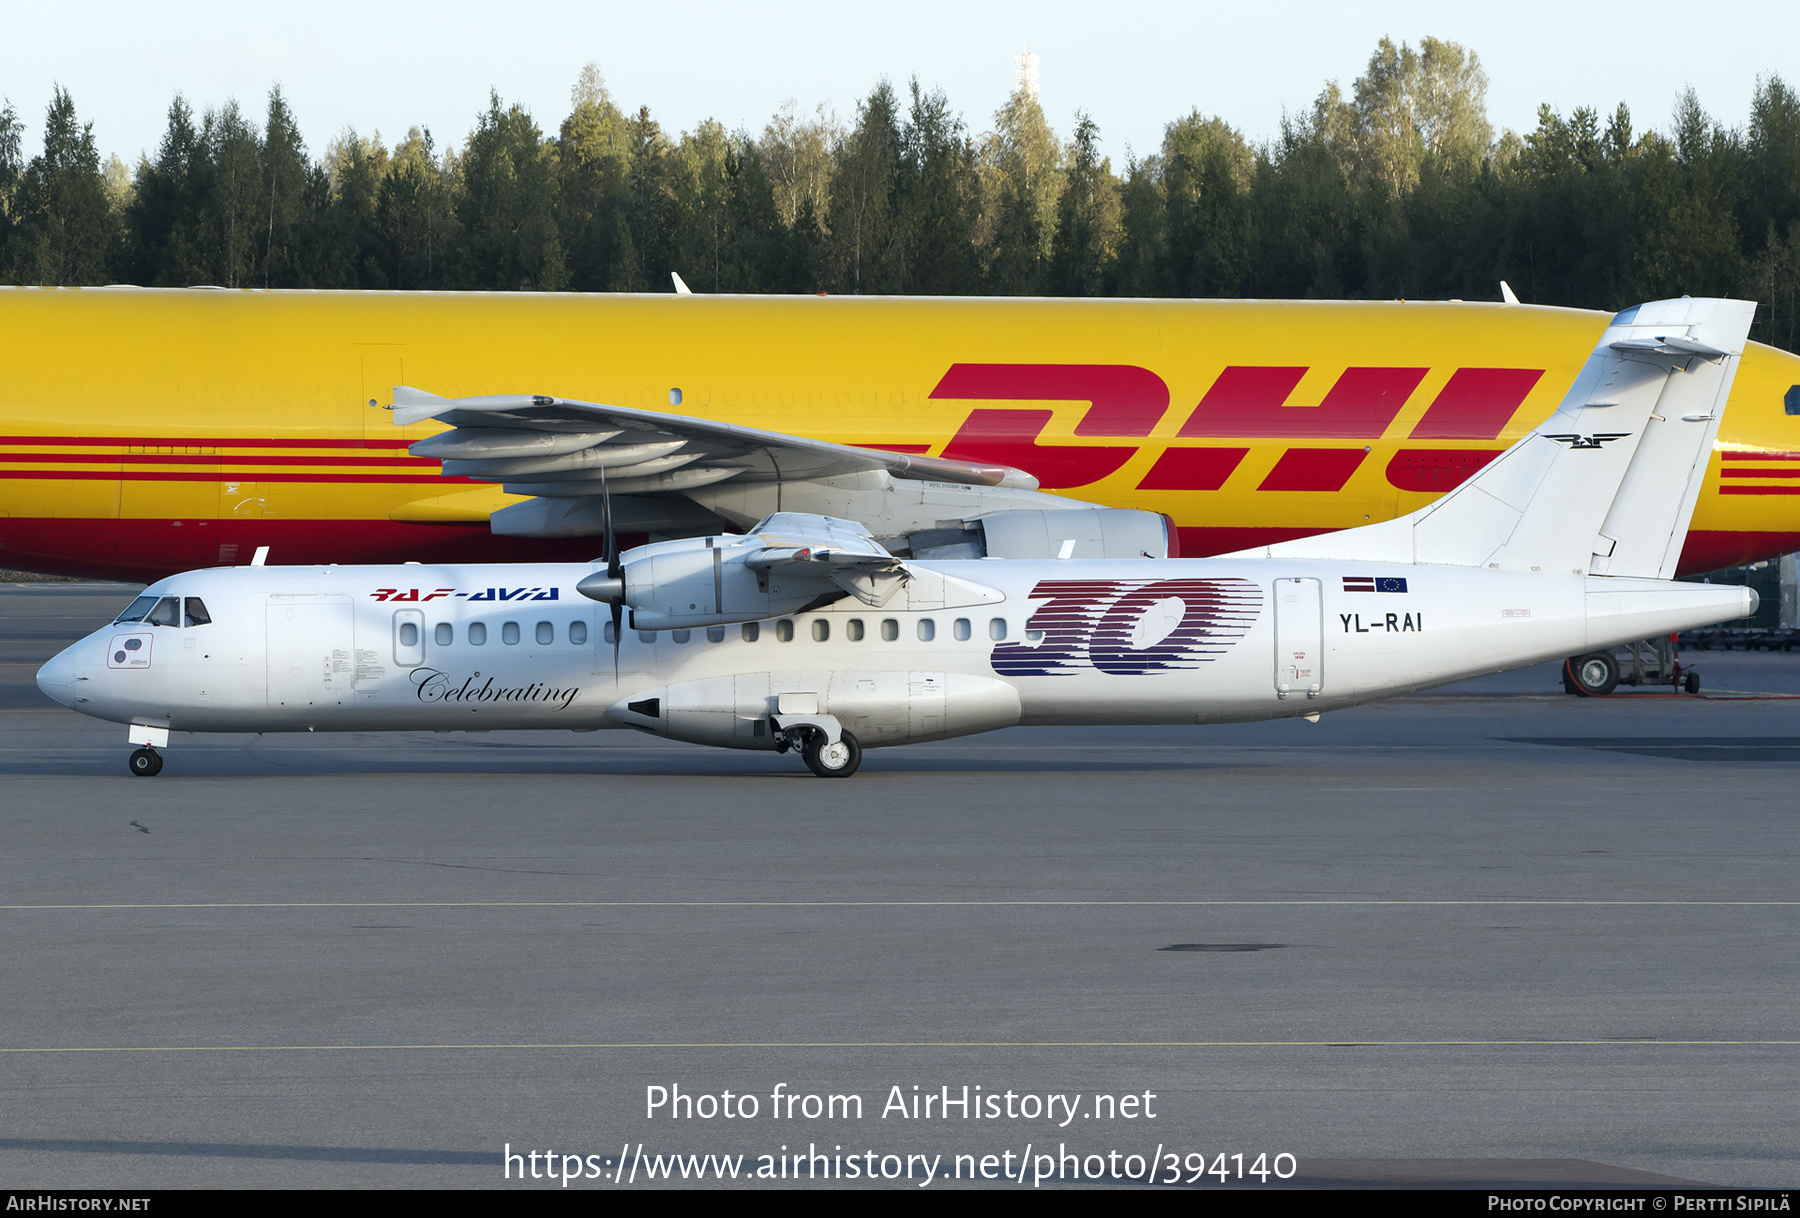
[
  {"x": 862, "y": 249},
  {"x": 64, "y": 229}
]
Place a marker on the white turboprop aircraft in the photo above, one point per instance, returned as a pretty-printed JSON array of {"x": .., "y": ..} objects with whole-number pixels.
[{"x": 807, "y": 634}]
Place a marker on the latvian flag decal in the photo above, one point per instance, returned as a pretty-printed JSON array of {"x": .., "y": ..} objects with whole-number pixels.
[{"x": 1374, "y": 583}]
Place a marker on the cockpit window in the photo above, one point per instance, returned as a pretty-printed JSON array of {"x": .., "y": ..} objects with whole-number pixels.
[
  {"x": 166, "y": 613},
  {"x": 196, "y": 612},
  {"x": 135, "y": 611}
]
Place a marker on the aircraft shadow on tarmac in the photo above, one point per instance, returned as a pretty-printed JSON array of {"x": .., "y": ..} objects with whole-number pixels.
[{"x": 205, "y": 762}]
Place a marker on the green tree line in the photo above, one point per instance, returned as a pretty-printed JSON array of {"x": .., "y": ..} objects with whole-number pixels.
[{"x": 1395, "y": 187}]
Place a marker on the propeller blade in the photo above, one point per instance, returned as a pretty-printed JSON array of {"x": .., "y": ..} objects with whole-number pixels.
[{"x": 615, "y": 570}]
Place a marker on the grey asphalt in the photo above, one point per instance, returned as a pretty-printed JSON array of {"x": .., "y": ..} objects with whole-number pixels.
[{"x": 1489, "y": 934}]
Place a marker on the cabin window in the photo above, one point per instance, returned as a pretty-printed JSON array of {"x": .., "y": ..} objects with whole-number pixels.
[
  {"x": 752, "y": 631},
  {"x": 890, "y": 629},
  {"x": 784, "y": 631},
  {"x": 509, "y": 633},
  {"x": 853, "y": 630},
  {"x": 166, "y": 613},
  {"x": 477, "y": 634},
  {"x": 681, "y": 636},
  {"x": 578, "y": 633},
  {"x": 997, "y": 628},
  {"x": 961, "y": 630},
  {"x": 135, "y": 611},
  {"x": 443, "y": 634},
  {"x": 821, "y": 630},
  {"x": 927, "y": 630},
  {"x": 196, "y": 614},
  {"x": 715, "y": 634},
  {"x": 1034, "y": 636},
  {"x": 546, "y": 634},
  {"x": 409, "y": 638},
  {"x": 646, "y": 636},
  {"x": 608, "y": 634}
]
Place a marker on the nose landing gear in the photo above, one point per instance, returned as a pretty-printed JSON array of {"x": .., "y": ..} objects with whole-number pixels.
[{"x": 145, "y": 763}]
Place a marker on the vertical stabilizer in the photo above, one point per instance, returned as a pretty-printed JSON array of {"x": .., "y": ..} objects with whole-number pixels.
[{"x": 1604, "y": 486}]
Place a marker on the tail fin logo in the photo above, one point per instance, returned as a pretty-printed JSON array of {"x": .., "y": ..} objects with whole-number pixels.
[{"x": 1598, "y": 440}]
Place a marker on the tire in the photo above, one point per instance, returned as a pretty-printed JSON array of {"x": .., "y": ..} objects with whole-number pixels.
[
  {"x": 145, "y": 763},
  {"x": 1594, "y": 675},
  {"x": 1692, "y": 683},
  {"x": 839, "y": 760}
]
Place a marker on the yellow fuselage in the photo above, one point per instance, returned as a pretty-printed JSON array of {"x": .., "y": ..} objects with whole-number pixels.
[{"x": 148, "y": 431}]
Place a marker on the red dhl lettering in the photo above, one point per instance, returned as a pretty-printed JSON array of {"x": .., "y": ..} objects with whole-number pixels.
[{"x": 1244, "y": 401}]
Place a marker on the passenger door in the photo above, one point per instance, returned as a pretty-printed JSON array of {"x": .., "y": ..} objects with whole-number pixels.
[{"x": 1299, "y": 637}]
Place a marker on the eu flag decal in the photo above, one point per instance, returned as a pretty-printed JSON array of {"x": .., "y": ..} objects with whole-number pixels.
[{"x": 1374, "y": 583}]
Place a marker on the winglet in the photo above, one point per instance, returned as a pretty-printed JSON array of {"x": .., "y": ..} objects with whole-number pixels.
[
  {"x": 415, "y": 405},
  {"x": 1506, "y": 293},
  {"x": 681, "y": 287}
]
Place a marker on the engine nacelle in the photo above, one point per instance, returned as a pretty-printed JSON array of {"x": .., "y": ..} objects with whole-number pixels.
[
  {"x": 789, "y": 564},
  {"x": 880, "y": 707}
]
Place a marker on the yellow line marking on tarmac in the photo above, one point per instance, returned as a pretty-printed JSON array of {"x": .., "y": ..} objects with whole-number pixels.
[
  {"x": 905, "y": 1044},
  {"x": 876, "y": 904}
]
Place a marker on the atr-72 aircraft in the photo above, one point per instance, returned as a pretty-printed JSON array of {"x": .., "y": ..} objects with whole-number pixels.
[
  {"x": 807, "y": 633},
  {"x": 150, "y": 431}
]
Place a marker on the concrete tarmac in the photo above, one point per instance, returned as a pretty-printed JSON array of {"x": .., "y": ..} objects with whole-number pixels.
[{"x": 1486, "y": 935}]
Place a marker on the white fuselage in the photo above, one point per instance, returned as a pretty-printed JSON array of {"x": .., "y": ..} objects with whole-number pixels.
[{"x": 963, "y": 647}]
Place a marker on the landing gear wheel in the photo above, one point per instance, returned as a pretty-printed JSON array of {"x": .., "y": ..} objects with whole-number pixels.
[
  {"x": 145, "y": 763},
  {"x": 1692, "y": 683},
  {"x": 838, "y": 760},
  {"x": 1593, "y": 676}
]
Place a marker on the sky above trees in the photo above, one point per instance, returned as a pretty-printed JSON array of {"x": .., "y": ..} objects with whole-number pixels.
[
  {"x": 1394, "y": 184},
  {"x": 1128, "y": 65}
]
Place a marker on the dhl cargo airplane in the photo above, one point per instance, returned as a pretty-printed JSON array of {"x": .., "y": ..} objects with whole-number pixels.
[{"x": 148, "y": 431}]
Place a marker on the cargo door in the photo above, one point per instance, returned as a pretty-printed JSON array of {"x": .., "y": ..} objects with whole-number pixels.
[
  {"x": 1299, "y": 637},
  {"x": 310, "y": 645}
]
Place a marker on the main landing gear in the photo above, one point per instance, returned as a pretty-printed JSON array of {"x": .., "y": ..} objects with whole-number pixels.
[
  {"x": 145, "y": 763},
  {"x": 838, "y": 760},
  {"x": 823, "y": 758}
]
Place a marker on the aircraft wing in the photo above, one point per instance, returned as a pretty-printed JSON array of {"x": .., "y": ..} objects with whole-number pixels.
[{"x": 554, "y": 447}]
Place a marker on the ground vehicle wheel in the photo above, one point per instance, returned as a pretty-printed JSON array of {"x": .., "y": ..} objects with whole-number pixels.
[
  {"x": 146, "y": 763},
  {"x": 1595, "y": 675},
  {"x": 838, "y": 760},
  {"x": 1692, "y": 683}
]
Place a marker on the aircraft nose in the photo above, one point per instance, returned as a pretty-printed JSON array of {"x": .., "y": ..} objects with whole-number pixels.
[{"x": 57, "y": 678}]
